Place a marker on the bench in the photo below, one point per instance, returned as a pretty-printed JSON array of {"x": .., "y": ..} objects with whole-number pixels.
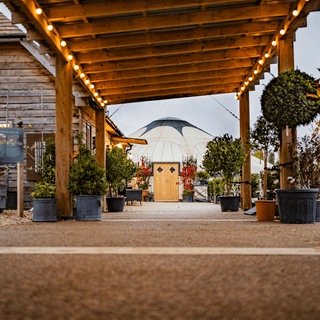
[{"x": 132, "y": 194}]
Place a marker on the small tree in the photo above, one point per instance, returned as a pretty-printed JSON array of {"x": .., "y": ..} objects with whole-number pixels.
[
  {"x": 86, "y": 176},
  {"x": 224, "y": 156},
  {"x": 119, "y": 170},
  {"x": 264, "y": 136}
]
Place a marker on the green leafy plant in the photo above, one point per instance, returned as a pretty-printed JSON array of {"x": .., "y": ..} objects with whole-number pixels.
[
  {"x": 119, "y": 170},
  {"x": 46, "y": 188},
  {"x": 286, "y": 100},
  {"x": 216, "y": 187},
  {"x": 224, "y": 156},
  {"x": 202, "y": 175},
  {"x": 255, "y": 187},
  {"x": 86, "y": 176}
]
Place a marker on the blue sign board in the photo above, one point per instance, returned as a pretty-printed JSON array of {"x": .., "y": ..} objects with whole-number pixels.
[{"x": 11, "y": 145}]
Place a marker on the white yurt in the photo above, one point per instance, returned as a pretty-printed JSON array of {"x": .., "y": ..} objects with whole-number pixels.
[{"x": 170, "y": 140}]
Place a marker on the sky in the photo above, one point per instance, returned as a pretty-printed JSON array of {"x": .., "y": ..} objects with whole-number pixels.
[{"x": 205, "y": 112}]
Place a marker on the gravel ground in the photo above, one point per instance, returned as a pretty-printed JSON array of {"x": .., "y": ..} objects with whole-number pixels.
[{"x": 160, "y": 286}]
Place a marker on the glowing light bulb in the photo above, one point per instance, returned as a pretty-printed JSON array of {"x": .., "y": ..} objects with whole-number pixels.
[
  {"x": 295, "y": 12},
  {"x": 82, "y": 75},
  {"x": 70, "y": 57},
  {"x": 76, "y": 67},
  {"x": 87, "y": 81},
  {"x": 246, "y": 83},
  {"x": 105, "y": 101},
  {"x": 99, "y": 99},
  {"x": 63, "y": 43},
  {"x": 242, "y": 88},
  {"x": 91, "y": 86},
  {"x": 274, "y": 42},
  {"x": 255, "y": 71},
  {"x": 267, "y": 55},
  {"x": 250, "y": 78},
  {"x": 260, "y": 62},
  {"x": 95, "y": 94},
  {"x": 102, "y": 104},
  {"x": 282, "y": 31},
  {"x": 50, "y": 27},
  {"x": 38, "y": 11}
]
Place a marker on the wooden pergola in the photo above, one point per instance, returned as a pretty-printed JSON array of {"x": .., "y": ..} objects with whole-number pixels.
[{"x": 138, "y": 50}]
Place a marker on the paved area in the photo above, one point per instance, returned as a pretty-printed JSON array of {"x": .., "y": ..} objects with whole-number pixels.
[{"x": 161, "y": 261}]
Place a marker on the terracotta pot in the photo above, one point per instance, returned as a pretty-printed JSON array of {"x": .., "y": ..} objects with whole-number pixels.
[{"x": 266, "y": 210}]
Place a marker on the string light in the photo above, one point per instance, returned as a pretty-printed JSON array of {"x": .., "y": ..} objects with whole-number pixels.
[
  {"x": 91, "y": 86},
  {"x": 105, "y": 101},
  {"x": 87, "y": 81},
  {"x": 38, "y": 11},
  {"x": 70, "y": 57},
  {"x": 50, "y": 27},
  {"x": 246, "y": 83},
  {"x": 242, "y": 88},
  {"x": 99, "y": 99},
  {"x": 295, "y": 12},
  {"x": 95, "y": 94},
  {"x": 76, "y": 67},
  {"x": 102, "y": 104},
  {"x": 63, "y": 43},
  {"x": 274, "y": 42},
  {"x": 282, "y": 32},
  {"x": 82, "y": 75},
  {"x": 267, "y": 55},
  {"x": 250, "y": 78},
  {"x": 255, "y": 71},
  {"x": 260, "y": 62}
]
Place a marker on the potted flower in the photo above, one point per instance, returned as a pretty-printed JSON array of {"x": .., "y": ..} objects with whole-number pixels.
[
  {"x": 149, "y": 197},
  {"x": 87, "y": 181},
  {"x": 225, "y": 157},
  {"x": 143, "y": 175},
  {"x": 264, "y": 135},
  {"x": 44, "y": 197},
  {"x": 188, "y": 174},
  {"x": 119, "y": 170},
  {"x": 287, "y": 102}
]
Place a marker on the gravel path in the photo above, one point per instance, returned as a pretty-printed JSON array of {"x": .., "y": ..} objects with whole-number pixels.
[{"x": 160, "y": 286}]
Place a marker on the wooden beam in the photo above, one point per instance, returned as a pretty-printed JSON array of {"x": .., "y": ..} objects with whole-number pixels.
[
  {"x": 173, "y": 36},
  {"x": 64, "y": 143},
  {"x": 101, "y": 141},
  {"x": 20, "y": 189},
  {"x": 175, "y": 60},
  {"x": 288, "y": 137},
  {"x": 158, "y": 93},
  {"x": 189, "y": 68},
  {"x": 172, "y": 96},
  {"x": 174, "y": 20},
  {"x": 172, "y": 78},
  {"x": 246, "y": 168},
  {"x": 130, "y": 140},
  {"x": 151, "y": 51},
  {"x": 75, "y": 12},
  {"x": 173, "y": 85}
]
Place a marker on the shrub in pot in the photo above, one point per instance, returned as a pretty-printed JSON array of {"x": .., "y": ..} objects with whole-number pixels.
[
  {"x": 87, "y": 181},
  {"x": 119, "y": 170},
  {"x": 290, "y": 100},
  {"x": 225, "y": 157},
  {"x": 44, "y": 197},
  {"x": 188, "y": 175}
]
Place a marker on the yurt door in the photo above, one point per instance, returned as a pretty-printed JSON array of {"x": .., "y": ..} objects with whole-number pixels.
[{"x": 166, "y": 181}]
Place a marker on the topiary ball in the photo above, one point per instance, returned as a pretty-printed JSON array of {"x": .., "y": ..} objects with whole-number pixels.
[{"x": 284, "y": 100}]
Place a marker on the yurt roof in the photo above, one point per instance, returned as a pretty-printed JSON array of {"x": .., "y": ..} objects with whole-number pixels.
[{"x": 172, "y": 140}]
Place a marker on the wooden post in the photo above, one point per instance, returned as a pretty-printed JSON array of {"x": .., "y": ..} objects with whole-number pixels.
[
  {"x": 20, "y": 189},
  {"x": 288, "y": 136},
  {"x": 246, "y": 168},
  {"x": 64, "y": 75},
  {"x": 101, "y": 141}
]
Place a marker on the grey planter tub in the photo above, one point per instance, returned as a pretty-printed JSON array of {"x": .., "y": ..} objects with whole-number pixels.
[
  {"x": 89, "y": 207},
  {"x": 44, "y": 210}
]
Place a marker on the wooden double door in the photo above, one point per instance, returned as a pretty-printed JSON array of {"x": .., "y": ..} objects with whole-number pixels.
[{"x": 166, "y": 181}]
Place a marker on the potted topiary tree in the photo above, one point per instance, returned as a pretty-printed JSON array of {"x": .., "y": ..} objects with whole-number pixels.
[
  {"x": 290, "y": 100},
  {"x": 264, "y": 136},
  {"x": 224, "y": 157},
  {"x": 87, "y": 181},
  {"x": 44, "y": 197},
  {"x": 119, "y": 170}
]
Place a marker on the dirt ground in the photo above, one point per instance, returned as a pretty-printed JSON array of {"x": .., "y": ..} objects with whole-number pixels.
[{"x": 133, "y": 286}]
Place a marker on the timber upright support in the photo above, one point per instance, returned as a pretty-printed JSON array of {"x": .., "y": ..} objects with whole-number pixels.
[
  {"x": 64, "y": 75},
  {"x": 288, "y": 137},
  {"x": 246, "y": 168},
  {"x": 101, "y": 140}
]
